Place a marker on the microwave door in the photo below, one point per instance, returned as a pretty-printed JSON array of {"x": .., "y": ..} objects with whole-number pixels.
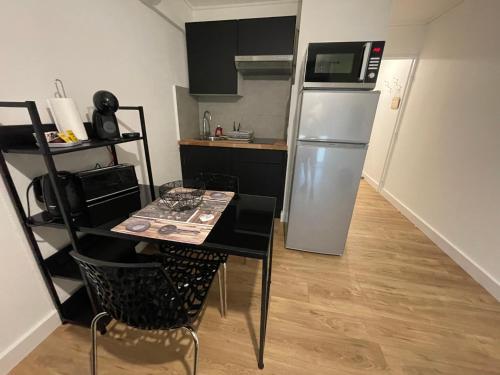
[{"x": 335, "y": 62}]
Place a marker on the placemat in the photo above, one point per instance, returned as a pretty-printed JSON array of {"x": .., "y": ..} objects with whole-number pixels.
[{"x": 158, "y": 221}]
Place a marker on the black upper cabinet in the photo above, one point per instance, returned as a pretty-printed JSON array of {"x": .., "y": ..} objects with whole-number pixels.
[
  {"x": 211, "y": 47},
  {"x": 266, "y": 36}
]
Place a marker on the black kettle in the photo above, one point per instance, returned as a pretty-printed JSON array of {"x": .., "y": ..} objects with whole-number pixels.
[{"x": 44, "y": 193}]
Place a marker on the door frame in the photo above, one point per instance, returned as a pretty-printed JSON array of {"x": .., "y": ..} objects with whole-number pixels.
[{"x": 397, "y": 125}]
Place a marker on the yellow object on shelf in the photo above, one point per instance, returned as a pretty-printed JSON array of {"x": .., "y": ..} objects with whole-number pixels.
[
  {"x": 64, "y": 137},
  {"x": 68, "y": 136},
  {"x": 71, "y": 136}
]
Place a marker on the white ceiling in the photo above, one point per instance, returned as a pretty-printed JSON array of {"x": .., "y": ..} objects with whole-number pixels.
[
  {"x": 404, "y": 12},
  {"x": 417, "y": 12},
  {"x": 210, "y": 3}
]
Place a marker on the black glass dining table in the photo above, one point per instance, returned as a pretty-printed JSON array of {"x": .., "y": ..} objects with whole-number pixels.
[{"x": 244, "y": 229}]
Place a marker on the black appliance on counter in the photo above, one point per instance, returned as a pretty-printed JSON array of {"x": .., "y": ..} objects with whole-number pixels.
[{"x": 95, "y": 196}]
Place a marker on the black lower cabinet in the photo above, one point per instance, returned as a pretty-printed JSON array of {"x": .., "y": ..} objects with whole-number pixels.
[{"x": 260, "y": 172}]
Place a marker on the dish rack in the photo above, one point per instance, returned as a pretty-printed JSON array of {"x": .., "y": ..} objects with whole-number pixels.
[{"x": 240, "y": 135}]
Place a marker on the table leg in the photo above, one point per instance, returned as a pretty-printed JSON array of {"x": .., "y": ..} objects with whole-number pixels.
[
  {"x": 264, "y": 307},
  {"x": 270, "y": 275},
  {"x": 271, "y": 255}
]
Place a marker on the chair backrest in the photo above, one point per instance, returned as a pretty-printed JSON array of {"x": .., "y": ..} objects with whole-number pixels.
[
  {"x": 140, "y": 295},
  {"x": 218, "y": 181}
]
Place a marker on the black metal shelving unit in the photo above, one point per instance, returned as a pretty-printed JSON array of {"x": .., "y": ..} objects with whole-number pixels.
[{"x": 79, "y": 307}]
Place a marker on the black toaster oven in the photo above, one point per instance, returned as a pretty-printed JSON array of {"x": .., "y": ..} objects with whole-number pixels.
[
  {"x": 95, "y": 196},
  {"x": 109, "y": 193}
]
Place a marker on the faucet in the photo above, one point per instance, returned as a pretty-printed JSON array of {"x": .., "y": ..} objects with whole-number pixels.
[{"x": 205, "y": 131}]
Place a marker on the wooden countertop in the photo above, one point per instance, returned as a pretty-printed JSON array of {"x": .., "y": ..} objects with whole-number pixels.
[{"x": 258, "y": 144}]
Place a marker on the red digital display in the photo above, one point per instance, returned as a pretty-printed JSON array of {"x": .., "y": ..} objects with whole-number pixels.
[{"x": 377, "y": 49}]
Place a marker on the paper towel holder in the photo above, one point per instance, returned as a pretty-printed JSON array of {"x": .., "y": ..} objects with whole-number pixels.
[{"x": 60, "y": 91}]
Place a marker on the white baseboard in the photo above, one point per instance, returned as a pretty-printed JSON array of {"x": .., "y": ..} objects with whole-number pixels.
[
  {"x": 374, "y": 183},
  {"x": 477, "y": 272},
  {"x": 11, "y": 356}
]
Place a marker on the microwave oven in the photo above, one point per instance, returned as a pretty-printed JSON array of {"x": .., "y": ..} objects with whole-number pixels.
[{"x": 343, "y": 65}]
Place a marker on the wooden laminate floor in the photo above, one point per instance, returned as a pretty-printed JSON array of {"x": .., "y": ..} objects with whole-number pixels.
[{"x": 393, "y": 304}]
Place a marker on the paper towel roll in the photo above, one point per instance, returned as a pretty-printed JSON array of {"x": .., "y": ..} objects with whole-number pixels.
[{"x": 67, "y": 116}]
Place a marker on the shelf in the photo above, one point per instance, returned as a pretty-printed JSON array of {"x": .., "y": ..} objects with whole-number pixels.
[
  {"x": 60, "y": 264},
  {"x": 77, "y": 309},
  {"x": 94, "y": 246},
  {"x": 65, "y": 288},
  {"x": 43, "y": 219},
  {"x": 31, "y": 149},
  {"x": 60, "y": 269}
]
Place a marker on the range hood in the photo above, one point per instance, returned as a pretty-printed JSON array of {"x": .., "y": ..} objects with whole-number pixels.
[{"x": 264, "y": 65}]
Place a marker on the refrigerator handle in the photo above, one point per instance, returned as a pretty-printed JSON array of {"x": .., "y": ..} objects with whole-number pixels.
[
  {"x": 366, "y": 54},
  {"x": 330, "y": 143}
]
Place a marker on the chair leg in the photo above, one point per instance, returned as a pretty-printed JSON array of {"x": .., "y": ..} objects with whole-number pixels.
[
  {"x": 224, "y": 268},
  {"x": 221, "y": 294},
  {"x": 93, "y": 351},
  {"x": 196, "y": 347}
]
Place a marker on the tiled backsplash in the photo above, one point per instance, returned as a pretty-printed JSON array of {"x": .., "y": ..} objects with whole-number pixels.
[
  {"x": 263, "y": 108},
  {"x": 187, "y": 113}
]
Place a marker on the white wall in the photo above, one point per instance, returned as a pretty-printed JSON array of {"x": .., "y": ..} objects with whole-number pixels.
[
  {"x": 119, "y": 45},
  {"x": 332, "y": 21},
  {"x": 392, "y": 82},
  {"x": 26, "y": 307},
  {"x": 445, "y": 171},
  {"x": 404, "y": 40},
  {"x": 240, "y": 11}
]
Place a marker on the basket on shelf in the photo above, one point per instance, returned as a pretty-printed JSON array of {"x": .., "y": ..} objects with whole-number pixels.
[{"x": 182, "y": 195}]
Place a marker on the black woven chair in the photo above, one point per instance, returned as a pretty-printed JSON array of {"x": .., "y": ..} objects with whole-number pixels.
[
  {"x": 157, "y": 292},
  {"x": 211, "y": 181}
]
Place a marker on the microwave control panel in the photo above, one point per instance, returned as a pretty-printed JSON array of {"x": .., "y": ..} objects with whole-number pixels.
[{"x": 374, "y": 60}]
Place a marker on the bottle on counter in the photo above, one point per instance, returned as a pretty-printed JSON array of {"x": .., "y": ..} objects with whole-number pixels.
[{"x": 219, "y": 131}]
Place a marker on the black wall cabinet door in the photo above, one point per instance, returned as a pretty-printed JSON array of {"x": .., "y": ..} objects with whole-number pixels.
[
  {"x": 211, "y": 47},
  {"x": 260, "y": 172},
  {"x": 266, "y": 36}
]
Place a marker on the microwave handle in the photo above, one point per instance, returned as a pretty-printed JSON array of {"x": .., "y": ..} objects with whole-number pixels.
[{"x": 366, "y": 55}]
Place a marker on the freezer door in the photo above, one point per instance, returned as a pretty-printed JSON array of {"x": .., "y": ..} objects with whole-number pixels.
[
  {"x": 325, "y": 183},
  {"x": 337, "y": 116}
]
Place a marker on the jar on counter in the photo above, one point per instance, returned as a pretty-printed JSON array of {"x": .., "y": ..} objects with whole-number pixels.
[{"x": 218, "y": 131}]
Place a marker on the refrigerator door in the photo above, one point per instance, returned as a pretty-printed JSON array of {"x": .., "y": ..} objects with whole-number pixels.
[
  {"x": 337, "y": 116},
  {"x": 325, "y": 183}
]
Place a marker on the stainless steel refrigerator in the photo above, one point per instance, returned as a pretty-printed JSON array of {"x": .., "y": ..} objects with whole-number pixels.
[{"x": 333, "y": 134}]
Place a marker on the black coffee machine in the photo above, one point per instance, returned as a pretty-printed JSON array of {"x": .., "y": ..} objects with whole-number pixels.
[{"x": 104, "y": 121}]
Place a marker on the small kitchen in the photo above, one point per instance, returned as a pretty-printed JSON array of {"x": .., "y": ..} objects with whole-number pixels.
[
  {"x": 233, "y": 118},
  {"x": 249, "y": 186}
]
